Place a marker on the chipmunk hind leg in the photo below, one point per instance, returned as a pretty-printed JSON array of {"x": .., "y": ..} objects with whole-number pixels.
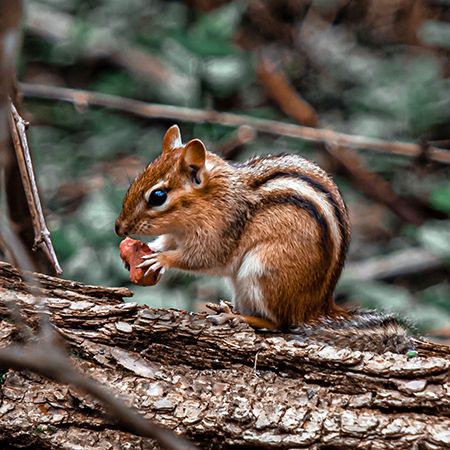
[
  {"x": 247, "y": 297},
  {"x": 275, "y": 286},
  {"x": 248, "y": 291},
  {"x": 285, "y": 284}
]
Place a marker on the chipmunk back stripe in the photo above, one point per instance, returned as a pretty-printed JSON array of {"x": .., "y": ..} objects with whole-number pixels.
[
  {"x": 257, "y": 159},
  {"x": 241, "y": 217},
  {"x": 310, "y": 207},
  {"x": 330, "y": 198},
  {"x": 311, "y": 182}
]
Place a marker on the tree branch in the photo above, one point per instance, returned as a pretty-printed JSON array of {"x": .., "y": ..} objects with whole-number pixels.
[
  {"x": 153, "y": 111},
  {"x": 223, "y": 386},
  {"x": 41, "y": 234},
  {"x": 402, "y": 263}
]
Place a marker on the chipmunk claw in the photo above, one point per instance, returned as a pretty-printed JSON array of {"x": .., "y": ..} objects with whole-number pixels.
[
  {"x": 220, "y": 319},
  {"x": 152, "y": 263},
  {"x": 150, "y": 256},
  {"x": 224, "y": 314},
  {"x": 222, "y": 307}
]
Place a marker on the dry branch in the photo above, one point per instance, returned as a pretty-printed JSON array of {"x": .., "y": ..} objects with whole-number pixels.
[
  {"x": 231, "y": 145},
  {"x": 219, "y": 386},
  {"x": 17, "y": 186},
  {"x": 402, "y": 263},
  {"x": 41, "y": 234},
  {"x": 177, "y": 113}
]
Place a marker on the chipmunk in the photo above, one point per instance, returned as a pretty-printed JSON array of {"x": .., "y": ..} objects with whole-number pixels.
[{"x": 276, "y": 226}]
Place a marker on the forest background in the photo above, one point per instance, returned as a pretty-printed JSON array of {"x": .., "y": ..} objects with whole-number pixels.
[{"x": 375, "y": 68}]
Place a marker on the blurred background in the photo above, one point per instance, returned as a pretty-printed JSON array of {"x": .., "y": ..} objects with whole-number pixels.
[{"x": 375, "y": 68}]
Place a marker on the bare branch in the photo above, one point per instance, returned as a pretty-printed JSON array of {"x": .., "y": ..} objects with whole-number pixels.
[
  {"x": 41, "y": 233},
  {"x": 407, "y": 262},
  {"x": 10, "y": 39},
  {"x": 231, "y": 145},
  {"x": 193, "y": 115}
]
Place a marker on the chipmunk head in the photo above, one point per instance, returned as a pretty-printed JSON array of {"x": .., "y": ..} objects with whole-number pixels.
[{"x": 161, "y": 198}]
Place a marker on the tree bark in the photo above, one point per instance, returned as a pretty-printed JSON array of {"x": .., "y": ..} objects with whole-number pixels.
[{"x": 221, "y": 387}]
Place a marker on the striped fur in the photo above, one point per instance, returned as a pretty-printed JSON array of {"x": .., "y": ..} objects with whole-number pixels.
[
  {"x": 362, "y": 330},
  {"x": 340, "y": 213},
  {"x": 266, "y": 170}
]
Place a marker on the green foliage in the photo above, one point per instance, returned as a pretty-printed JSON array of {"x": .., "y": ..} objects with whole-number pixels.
[
  {"x": 212, "y": 33},
  {"x": 440, "y": 198}
]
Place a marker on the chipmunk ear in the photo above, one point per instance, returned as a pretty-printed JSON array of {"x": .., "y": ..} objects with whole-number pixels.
[
  {"x": 194, "y": 158},
  {"x": 172, "y": 139}
]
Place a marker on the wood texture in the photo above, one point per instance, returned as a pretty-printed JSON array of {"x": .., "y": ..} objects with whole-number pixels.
[{"x": 221, "y": 387}]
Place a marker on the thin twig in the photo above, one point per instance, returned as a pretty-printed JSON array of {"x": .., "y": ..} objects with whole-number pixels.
[
  {"x": 10, "y": 17},
  {"x": 402, "y": 263},
  {"x": 193, "y": 115},
  {"x": 231, "y": 145},
  {"x": 41, "y": 233}
]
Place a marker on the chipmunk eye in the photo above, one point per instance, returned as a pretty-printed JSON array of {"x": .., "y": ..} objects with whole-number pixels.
[{"x": 157, "y": 197}]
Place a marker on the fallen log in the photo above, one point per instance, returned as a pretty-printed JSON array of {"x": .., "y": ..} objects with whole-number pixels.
[{"x": 220, "y": 387}]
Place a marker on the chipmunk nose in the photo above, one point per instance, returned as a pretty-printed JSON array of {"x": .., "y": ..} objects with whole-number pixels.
[{"x": 119, "y": 229}]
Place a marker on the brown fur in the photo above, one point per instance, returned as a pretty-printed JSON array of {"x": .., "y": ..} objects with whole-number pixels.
[
  {"x": 276, "y": 226},
  {"x": 361, "y": 330}
]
